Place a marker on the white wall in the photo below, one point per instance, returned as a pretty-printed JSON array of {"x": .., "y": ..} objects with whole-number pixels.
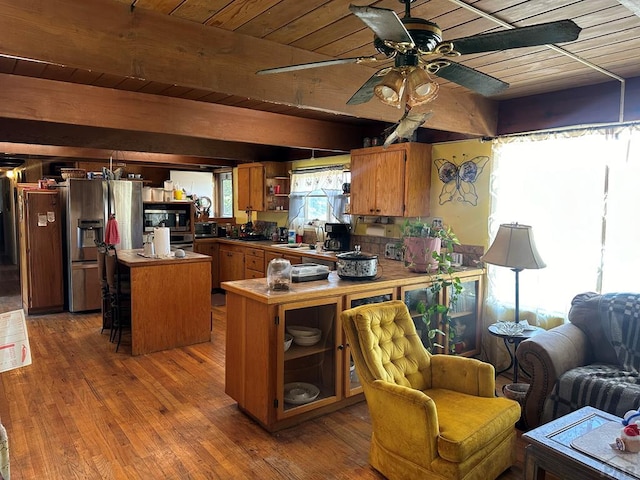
[{"x": 200, "y": 183}]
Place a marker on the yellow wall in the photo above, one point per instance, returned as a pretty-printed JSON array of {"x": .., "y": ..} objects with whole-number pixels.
[{"x": 469, "y": 222}]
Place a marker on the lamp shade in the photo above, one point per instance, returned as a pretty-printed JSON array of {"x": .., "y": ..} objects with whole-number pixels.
[
  {"x": 514, "y": 247},
  {"x": 391, "y": 88},
  {"x": 421, "y": 87}
]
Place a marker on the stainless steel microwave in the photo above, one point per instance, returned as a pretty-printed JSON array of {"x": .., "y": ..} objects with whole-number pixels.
[{"x": 176, "y": 217}]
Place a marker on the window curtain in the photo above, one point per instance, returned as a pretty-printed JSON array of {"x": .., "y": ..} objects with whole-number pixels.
[
  {"x": 323, "y": 181},
  {"x": 577, "y": 191}
]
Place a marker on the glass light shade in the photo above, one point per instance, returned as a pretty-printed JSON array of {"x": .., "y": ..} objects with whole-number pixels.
[
  {"x": 514, "y": 247},
  {"x": 391, "y": 88},
  {"x": 421, "y": 87}
]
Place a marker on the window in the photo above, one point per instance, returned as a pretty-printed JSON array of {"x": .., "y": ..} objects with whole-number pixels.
[
  {"x": 316, "y": 194},
  {"x": 579, "y": 193},
  {"x": 223, "y": 188}
]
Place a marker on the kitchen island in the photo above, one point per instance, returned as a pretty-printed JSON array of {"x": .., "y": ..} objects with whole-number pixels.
[
  {"x": 170, "y": 300},
  {"x": 281, "y": 387}
]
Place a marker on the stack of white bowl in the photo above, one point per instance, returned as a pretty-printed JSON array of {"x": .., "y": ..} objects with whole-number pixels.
[
  {"x": 287, "y": 341},
  {"x": 304, "y": 336}
]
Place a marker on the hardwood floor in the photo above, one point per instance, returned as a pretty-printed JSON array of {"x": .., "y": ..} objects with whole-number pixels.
[{"x": 82, "y": 411}]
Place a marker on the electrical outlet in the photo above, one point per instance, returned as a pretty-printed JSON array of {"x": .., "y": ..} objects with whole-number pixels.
[{"x": 393, "y": 251}]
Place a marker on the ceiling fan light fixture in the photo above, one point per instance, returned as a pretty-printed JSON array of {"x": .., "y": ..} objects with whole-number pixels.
[
  {"x": 391, "y": 88},
  {"x": 421, "y": 88}
]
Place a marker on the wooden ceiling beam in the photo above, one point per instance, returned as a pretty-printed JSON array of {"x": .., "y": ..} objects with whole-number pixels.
[
  {"x": 104, "y": 155},
  {"x": 42, "y": 100},
  {"x": 26, "y": 135},
  {"x": 108, "y": 37}
]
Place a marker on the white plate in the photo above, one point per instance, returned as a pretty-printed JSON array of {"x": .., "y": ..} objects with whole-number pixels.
[
  {"x": 307, "y": 341},
  {"x": 299, "y": 393},
  {"x": 300, "y": 331}
]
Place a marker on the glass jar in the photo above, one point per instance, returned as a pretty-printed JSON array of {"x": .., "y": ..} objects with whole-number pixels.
[{"x": 279, "y": 274}]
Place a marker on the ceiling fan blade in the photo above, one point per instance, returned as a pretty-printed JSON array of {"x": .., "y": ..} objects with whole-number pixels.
[
  {"x": 541, "y": 34},
  {"x": 324, "y": 63},
  {"x": 472, "y": 79},
  {"x": 365, "y": 92},
  {"x": 385, "y": 23}
]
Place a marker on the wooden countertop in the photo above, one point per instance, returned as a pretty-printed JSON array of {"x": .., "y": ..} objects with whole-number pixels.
[
  {"x": 131, "y": 258},
  {"x": 267, "y": 245},
  {"x": 391, "y": 274}
]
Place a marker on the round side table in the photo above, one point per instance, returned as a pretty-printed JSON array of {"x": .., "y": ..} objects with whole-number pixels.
[{"x": 513, "y": 340}]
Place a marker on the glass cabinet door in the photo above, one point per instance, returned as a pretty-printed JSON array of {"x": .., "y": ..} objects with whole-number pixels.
[
  {"x": 461, "y": 335},
  {"x": 417, "y": 298},
  {"x": 351, "y": 382},
  {"x": 465, "y": 319},
  {"x": 307, "y": 359}
]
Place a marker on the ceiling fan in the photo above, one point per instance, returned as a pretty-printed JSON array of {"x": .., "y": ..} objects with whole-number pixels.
[{"x": 418, "y": 51}]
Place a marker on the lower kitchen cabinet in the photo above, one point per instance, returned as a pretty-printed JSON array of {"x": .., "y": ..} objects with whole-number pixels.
[
  {"x": 309, "y": 371},
  {"x": 280, "y": 387},
  {"x": 464, "y": 330},
  {"x": 268, "y": 256},
  {"x": 212, "y": 249},
  {"x": 254, "y": 263},
  {"x": 351, "y": 383},
  {"x": 300, "y": 383},
  {"x": 231, "y": 263}
]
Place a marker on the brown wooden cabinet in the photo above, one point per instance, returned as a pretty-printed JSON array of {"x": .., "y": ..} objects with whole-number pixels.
[
  {"x": 465, "y": 315},
  {"x": 211, "y": 248},
  {"x": 351, "y": 382},
  {"x": 259, "y": 372},
  {"x": 393, "y": 181},
  {"x": 231, "y": 263},
  {"x": 278, "y": 189},
  {"x": 251, "y": 187},
  {"x": 264, "y": 186},
  {"x": 254, "y": 263},
  {"x": 41, "y": 278}
]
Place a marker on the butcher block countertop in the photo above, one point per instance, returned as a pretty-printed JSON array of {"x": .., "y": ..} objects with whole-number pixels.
[
  {"x": 268, "y": 245},
  {"x": 132, "y": 258},
  {"x": 391, "y": 274}
]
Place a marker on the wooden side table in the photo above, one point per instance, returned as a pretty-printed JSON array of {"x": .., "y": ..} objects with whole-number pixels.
[
  {"x": 550, "y": 449},
  {"x": 514, "y": 340}
]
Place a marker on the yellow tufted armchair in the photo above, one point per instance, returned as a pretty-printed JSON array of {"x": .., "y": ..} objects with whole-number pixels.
[{"x": 433, "y": 416}]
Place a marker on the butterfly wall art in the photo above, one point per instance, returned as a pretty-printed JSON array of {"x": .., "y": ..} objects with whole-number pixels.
[{"x": 459, "y": 180}]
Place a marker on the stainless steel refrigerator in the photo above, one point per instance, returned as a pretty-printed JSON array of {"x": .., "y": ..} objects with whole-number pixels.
[{"x": 88, "y": 204}]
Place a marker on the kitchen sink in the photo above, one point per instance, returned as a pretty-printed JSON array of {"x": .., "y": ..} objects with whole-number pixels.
[{"x": 293, "y": 246}]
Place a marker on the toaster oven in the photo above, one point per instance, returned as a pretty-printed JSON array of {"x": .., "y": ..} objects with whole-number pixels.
[{"x": 206, "y": 229}]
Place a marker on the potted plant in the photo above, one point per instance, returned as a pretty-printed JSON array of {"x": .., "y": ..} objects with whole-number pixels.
[{"x": 428, "y": 250}]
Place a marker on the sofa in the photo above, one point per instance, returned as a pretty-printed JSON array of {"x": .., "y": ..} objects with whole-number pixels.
[{"x": 593, "y": 360}]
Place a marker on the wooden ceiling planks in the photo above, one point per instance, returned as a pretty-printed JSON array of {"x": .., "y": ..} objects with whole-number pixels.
[{"x": 317, "y": 29}]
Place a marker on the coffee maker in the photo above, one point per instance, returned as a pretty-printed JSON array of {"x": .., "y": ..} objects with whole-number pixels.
[{"x": 338, "y": 237}]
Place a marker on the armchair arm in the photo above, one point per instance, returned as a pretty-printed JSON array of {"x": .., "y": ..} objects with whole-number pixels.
[
  {"x": 545, "y": 357},
  {"x": 464, "y": 375},
  {"x": 405, "y": 421}
]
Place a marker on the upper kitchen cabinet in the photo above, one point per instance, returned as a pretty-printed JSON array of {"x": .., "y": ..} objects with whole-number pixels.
[
  {"x": 393, "y": 181},
  {"x": 257, "y": 185},
  {"x": 251, "y": 186}
]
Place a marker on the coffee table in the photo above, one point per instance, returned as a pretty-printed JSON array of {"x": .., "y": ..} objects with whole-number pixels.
[{"x": 550, "y": 450}]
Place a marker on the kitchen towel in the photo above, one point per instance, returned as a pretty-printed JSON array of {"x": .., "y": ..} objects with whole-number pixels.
[
  {"x": 112, "y": 233},
  {"x": 161, "y": 241}
]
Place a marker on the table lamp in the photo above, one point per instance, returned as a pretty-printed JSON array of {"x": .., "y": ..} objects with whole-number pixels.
[{"x": 514, "y": 247}]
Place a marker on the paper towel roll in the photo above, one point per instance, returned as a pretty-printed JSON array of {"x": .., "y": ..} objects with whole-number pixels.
[{"x": 161, "y": 241}]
